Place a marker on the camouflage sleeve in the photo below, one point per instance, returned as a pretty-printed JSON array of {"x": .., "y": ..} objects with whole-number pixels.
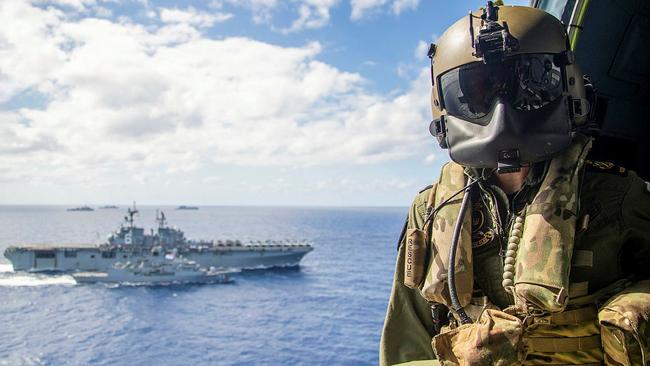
[
  {"x": 408, "y": 327},
  {"x": 635, "y": 212}
]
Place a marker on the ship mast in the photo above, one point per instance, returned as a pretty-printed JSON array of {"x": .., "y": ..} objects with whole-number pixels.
[
  {"x": 131, "y": 213},
  {"x": 161, "y": 220}
]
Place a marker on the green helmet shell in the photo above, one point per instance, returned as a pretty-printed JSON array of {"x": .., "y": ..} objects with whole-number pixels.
[{"x": 536, "y": 31}]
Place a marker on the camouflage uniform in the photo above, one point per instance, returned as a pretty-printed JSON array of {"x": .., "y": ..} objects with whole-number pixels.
[{"x": 612, "y": 246}]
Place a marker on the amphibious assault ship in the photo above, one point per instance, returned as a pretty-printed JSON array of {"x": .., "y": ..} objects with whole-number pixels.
[{"x": 130, "y": 242}]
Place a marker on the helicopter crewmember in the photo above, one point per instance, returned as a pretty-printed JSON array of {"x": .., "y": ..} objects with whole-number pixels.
[{"x": 524, "y": 251}]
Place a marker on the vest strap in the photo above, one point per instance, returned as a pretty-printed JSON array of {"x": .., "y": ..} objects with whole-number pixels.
[
  {"x": 568, "y": 317},
  {"x": 582, "y": 258},
  {"x": 562, "y": 345},
  {"x": 573, "y": 364},
  {"x": 577, "y": 289}
]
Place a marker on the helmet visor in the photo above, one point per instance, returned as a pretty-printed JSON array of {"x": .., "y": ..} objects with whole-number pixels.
[{"x": 527, "y": 82}]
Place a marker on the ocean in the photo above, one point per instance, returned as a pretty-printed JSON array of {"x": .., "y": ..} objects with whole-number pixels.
[{"x": 327, "y": 311}]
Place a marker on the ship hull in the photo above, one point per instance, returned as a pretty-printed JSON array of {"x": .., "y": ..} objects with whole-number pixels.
[
  {"x": 88, "y": 258},
  {"x": 129, "y": 277}
]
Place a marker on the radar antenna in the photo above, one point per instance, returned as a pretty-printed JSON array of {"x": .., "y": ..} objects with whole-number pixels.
[
  {"x": 161, "y": 220},
  {"x": 131, "y": 212}
]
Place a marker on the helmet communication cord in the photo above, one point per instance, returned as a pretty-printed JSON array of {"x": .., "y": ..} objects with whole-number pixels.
[{"x": 451, "y": 269}]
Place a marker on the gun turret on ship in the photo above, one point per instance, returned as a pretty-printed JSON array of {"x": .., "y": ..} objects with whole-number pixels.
[{"x": 130, "y": 242}]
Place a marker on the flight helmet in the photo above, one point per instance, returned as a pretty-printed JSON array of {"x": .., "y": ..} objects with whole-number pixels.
[{"x": 506, "y": 90}]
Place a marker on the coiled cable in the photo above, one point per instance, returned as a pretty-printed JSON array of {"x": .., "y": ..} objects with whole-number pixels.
[{"x": 451, "y": 269}]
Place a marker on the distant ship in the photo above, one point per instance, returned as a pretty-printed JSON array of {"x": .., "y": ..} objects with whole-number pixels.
[
  {"x": 168, "y": 269},
  {"x": 187, "y": 208},
  {"x": 109, "y": 207},
  {"x": 130, "y": 242},
  {"x": 82, "y": 208}
]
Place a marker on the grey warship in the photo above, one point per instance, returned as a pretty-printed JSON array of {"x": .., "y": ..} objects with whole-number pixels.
[
  {"x": 170, "y": 269},
  {"x": 130, "y": 242}
]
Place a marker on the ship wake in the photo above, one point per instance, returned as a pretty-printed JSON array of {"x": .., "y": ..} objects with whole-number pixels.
[{"x": 9, "y": 278}]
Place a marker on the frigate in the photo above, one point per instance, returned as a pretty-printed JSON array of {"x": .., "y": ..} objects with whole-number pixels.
[
  {"x": 130, "y": 242},
  {"x": 169, "y": 269}
]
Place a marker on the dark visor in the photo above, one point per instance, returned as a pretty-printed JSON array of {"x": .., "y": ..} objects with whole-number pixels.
[{"x": 528, "y": 82}]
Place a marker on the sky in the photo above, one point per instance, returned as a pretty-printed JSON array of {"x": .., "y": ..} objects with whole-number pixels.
[{"x": 222, "y": 102}]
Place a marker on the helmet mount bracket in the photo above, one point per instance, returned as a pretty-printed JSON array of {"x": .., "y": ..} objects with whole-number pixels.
[{"x": 494, "y": 41}]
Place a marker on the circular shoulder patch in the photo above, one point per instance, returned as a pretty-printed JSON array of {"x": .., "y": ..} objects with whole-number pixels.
[
  {"x": 482, "y": 231},
  {"x": 605, "y": 167}
]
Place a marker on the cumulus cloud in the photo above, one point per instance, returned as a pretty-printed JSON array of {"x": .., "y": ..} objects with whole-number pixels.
[
  {"x": 399, "y": 6},
  {"x": 410, "y": 69},
  {"x": 123, "y": 99},
  {"x": 262, "y": 10},
  {"x": 313, "y": 14},
  {"x": 79, "y": 5},
  {"x": 421, "y": 50},
  {"x": 193, "y": 17},
  {"x": 364, "y": 8},
  {"x": 361, "y": 8}
]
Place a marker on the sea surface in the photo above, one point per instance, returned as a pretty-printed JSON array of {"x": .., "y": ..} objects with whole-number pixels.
[{"x": 327, "y": 311}]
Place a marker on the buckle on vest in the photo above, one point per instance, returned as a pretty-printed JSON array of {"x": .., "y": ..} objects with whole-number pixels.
[{"x": 561, "y": 296}]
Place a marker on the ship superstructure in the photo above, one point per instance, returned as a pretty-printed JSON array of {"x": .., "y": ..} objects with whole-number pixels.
[{"x": 130, "y": 242}]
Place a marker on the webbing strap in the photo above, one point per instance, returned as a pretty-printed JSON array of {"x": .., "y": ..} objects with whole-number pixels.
[
  {"x": 577, "y": 289},
  {"x": 582, "y": 258},
  {"x": 573, "y": 364},
  {"x": 569, "y": 317},
  {"x": 561, "y": 345}
]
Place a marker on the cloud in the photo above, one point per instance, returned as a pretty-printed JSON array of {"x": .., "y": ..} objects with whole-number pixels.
[
  {"x": 401, "y": 5},
  {"x": 361, "y": 8},
  {"x": 410, "y": 69},
  {"x": 126, "y": 100},
  {"x": 364, "y": 8},
  {"x": 212, "y": 180},
  {"x": 18, "y": 138},
  {"x": 193, "y": 17},
  {"x": 79, "y": 5},
  {"x": 430, "y": 159},
  {"x": 421, "y": 50},
  {"x": 312, "y": 14},
  {"x": 262, "y": 10}
]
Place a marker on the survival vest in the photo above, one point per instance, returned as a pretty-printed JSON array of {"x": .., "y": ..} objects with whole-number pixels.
[
  {"x": 540, "y": 245},
  {"x": 539, "y": 328}
]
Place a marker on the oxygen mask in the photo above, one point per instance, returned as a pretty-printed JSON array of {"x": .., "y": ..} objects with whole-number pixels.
[{"x": 506, "y": 114}]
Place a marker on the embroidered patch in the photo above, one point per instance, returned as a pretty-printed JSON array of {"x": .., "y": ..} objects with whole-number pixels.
[
  {"x": 605, "y": 167},
  {"x": 482, "y": 232}
]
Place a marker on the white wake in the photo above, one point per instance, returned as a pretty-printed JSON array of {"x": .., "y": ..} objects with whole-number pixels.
[{"x": 9, "y": 278}]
